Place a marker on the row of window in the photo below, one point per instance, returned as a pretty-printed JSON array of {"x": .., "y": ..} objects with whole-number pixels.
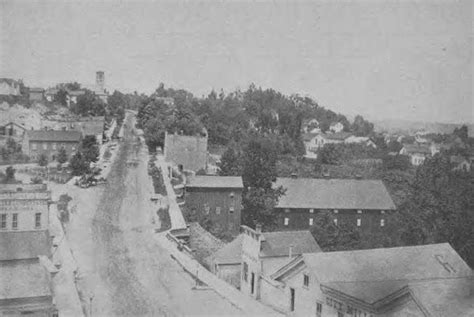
[
  {"x": 311, "y": 211},
  {"x": 286, "y": 222},
  {"x": 207, "y": 210},
  {"x": 14, "y": 221},
  {"x": 54, "y": 145}
]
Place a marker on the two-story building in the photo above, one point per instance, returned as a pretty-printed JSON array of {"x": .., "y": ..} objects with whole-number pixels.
[
  {"x": 49, "y": 142},
  {"x": 88, "y": 126},
  {"x": 413, "y": 281},
  {"x": 363, "y": 203},
  {"x": 217, "y": 197},
  {"x": 25, "y": 281},
  {"x": 264, "y": 252}
]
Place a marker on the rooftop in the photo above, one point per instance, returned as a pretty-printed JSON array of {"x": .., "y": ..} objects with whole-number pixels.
[
  {"x": 215, "y": 182},
  {"x": 370, "y": 275},
  {"x": 8, "y": 188},
  {"x": 53, "y": 136},
  {"x": 36, "y": 89},
  {"x": 341, "y": 136},
  {"x": 23, "y": 279},
  {"x": 20, "y": 245},
  {"x": 274, "y": 244},
  {"x": 334, "y": 194},
  {"x": 417, "y": 148}
]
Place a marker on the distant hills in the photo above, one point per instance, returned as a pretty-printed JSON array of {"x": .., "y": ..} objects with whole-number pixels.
[{"x": 406, "y": 126}]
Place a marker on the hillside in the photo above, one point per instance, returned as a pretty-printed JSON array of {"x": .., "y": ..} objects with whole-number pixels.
[{"x": 406, "y": 126}]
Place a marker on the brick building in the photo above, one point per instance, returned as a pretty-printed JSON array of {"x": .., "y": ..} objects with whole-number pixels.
[
  {"x": 216, "y": 197},
  {"x": 25, "y": 281},
  {"x": 364, "y": 203},
  {"x": 426, "y": 280},
  {"x": 48, "y": 142}
]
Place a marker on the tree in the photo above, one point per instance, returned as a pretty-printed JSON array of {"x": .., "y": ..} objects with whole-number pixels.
[
  {"x": 89, "y": 104},
  {"x": 90, "y": 148},
  {"x": 43, "y": 160},
  {"x": 61, "y": 97},
  {"x": 258, "y": 175},
  {"x": 400, "y": 162},
  {"x": 462, "y": 133},
  {"x": 362, "y": 127},
  {"x": 230, "y": 163},
  {"x": 62, "y": 156},
  {"x": 79, "y": 165},
  {"x": 329, "y": 154},
  {"x": 9, "y": 174}
]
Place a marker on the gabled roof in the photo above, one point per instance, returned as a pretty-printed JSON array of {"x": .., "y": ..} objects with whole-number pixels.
[
  {"x": 370, "y": 275},
  {"x": 274, "y": 244},
  {"x": 309, "y": 136},
  {"x": 215, "y": 182},
  {"x": 9, "y": 81},
  {"x": 417, "y": 148},
  {"x": 76, "y": 92},
  {"x": 20, "y": 245},
  {"x": 36, "y": 89},
  {"x": 279, "y": 243},
  {"x": 53, "y": 136},
  {"x": 341, "y": 136},
  {"x": 231, "y": 253},
  {"x": 24, "y": 279},
  {"x": 320, "y": 193}
]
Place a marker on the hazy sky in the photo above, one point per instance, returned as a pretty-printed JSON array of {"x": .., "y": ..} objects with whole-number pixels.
[{"x": 391, "y": 59}]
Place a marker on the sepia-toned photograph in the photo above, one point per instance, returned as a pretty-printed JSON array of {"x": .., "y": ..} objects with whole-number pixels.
[{"x": 307, "y": 158}]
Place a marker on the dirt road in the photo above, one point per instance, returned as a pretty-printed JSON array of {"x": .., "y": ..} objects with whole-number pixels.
[{"x": 132, "y": 275}]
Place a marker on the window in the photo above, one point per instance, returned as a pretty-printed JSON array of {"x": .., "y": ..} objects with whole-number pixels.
[
  {"x": 218, "y": 210},
  {"x": 54, "y": 146},
  {"x": 231, "y": 195},
  {"x": 15, "y": 221},
  {"x": 45, "y": 146},
  {"x": 359, "y": 222},
  {"x": 359, "y": 211},
  {"x": 287, "y": 210},
  {"x": 335, "y": 221},
  {"x": 38, "y": 220},
  {"x": 310, "y": 221},
  {"x": 3, "y": 221},
  {"x": 311, "y": 211},
  {"x": 319, "y": 309},
  {"x": 287, "y": 220},
  {"x": 382, "y": 222},
  {"x": 246, "y": 271},
  {"x": 305, "y": 280},
  {"x": 34, "y": 146}
]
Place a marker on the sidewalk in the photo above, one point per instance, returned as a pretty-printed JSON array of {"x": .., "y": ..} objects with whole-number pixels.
[
  {"x": 65, "y": 292},
  {"x": 248, "y": 305}
]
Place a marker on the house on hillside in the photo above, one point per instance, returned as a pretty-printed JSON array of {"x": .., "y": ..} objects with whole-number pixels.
[
  {"x": 336, "y": 127},
  {"x": 460, "y": 163},
  {"x": 186, "y": 152},
  {"x": 218, "y": 198},
  {"x": 25, "y": 251},
  {"x": 312, "y": 143},
  {"x": 36, "y": 94},
  {"x": 88, "y": 126},
  {"x": 352, "y": 139},
  {"x": 50, "y": 94},
  {"x": 48, "y": 142},
  {"x": 264, "y": 252},
  {"x": 9, "y": 87},
  {"x": 336, "y": 137},
  {"x": 311, "y": 126},
  {"x": 363, "y": 203},
  {"x": 425, "y": 280},
  {"x": 417, "y": 153}
]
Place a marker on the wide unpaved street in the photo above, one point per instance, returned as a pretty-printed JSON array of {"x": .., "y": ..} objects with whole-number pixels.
[{"x": 122, "y": 266}]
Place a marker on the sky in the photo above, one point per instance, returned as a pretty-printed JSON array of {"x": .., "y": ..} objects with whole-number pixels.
[{"x": 402, "y": 59}]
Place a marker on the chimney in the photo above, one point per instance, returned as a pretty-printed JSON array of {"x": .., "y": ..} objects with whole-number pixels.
[
  {"x": 258, "y": 228},
  {"x": 290, "y": 252}
]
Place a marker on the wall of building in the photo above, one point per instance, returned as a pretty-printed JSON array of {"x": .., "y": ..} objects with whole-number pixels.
[
  {"x": 26, "y": 206},
  {"x": 204, "y": 202},
  {"x": 6, "y": 89},
  {"x": 274, "y": 296},
  {"x": 35, "y": 148},
  {"x": 36, "y": 96},
  {"x": 31, "y": 306},
  {"x": 188, "y": 151},
  {"x": 229, "y": 273},
  {"x": 251, "y": 256}
]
